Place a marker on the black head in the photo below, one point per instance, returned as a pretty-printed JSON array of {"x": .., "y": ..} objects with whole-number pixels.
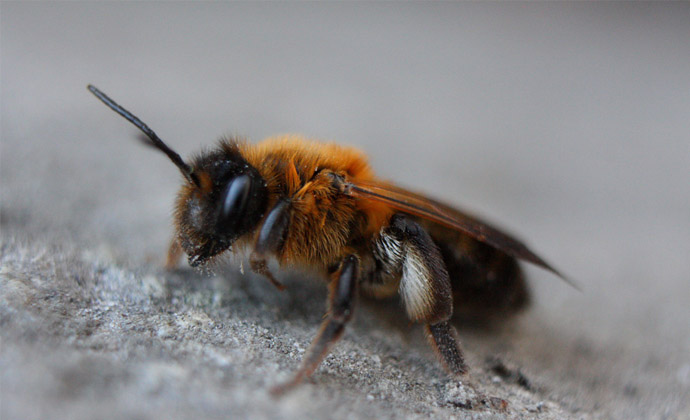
[
  {"x": 224, "y": 196},
  {"x": 230, "y": 202}
]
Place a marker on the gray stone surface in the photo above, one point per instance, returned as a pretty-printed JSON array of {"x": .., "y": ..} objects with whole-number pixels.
[{"x": 567, "y": 123}]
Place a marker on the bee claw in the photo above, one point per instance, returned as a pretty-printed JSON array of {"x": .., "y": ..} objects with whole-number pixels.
[
  {"x": 259, "y": 266},
  {"x": 281, "y": 389}
]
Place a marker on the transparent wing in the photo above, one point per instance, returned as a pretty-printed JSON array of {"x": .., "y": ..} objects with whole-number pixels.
[{"x": 418, "y": 205}]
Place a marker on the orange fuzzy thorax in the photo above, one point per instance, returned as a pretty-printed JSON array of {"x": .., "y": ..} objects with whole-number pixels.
[{"x": 289, "y": 164}]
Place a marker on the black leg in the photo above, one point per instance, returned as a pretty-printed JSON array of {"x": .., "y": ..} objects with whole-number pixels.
[
  {"x": 406, "y": 247},
  {"x": 274, "y": 230},
  {"x": 271, "y": 239},
  {"x": 341, "y": 304},
  {"x": 443, "y": 339}
]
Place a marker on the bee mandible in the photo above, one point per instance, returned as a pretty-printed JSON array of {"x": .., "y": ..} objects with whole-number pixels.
[{"x": 320, "y": 205}]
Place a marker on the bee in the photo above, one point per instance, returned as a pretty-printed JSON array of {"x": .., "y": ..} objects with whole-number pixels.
[{"x": 320, "y": 205}]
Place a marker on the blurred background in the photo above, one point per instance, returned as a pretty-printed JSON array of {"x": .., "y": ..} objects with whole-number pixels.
[{"x": 565, "y": 123}]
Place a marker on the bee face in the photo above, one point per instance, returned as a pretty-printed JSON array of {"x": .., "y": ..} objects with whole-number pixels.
[{"x": 228, "y": 202}]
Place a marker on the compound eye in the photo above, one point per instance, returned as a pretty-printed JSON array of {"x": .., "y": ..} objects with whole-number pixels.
[{"x": 235, "y": 203}]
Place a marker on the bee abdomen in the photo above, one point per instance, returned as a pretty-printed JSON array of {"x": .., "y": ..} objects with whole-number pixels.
[{"x": 485, "y": 281}]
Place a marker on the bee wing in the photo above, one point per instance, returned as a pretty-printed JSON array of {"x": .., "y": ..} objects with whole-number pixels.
[{"x": 418, "y": 205}]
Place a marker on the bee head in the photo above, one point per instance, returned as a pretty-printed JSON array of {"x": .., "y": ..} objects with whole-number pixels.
[
  {"x": 229, "y": 201},
  {"x": 223, "y": 197}
]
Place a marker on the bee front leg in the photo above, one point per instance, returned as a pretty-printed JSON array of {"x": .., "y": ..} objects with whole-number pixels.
[
  {"x": 259, "y": 265},
  {"x": 343, "y": 290},
  {"x": 174, "y": 254},
  {"x": 271, "y": 239},
  {"x": 424, "y": 285}
]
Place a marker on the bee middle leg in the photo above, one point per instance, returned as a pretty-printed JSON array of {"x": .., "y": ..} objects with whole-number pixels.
[
  {"x": 405, "y": 248},
  {"x": 343, "y": 290}
]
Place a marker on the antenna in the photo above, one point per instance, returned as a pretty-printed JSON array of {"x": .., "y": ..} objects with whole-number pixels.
[{"x": 187, "y": 171}]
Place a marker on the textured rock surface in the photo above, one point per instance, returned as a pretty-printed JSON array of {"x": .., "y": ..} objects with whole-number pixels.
[{"x": 568, "y": 122}]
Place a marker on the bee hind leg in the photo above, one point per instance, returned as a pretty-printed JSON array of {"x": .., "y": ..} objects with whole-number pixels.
[
  {"x": 443, "y": 338},
  {"x": 343, "y": 290},
  {"x": 424, "y": 286}
]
